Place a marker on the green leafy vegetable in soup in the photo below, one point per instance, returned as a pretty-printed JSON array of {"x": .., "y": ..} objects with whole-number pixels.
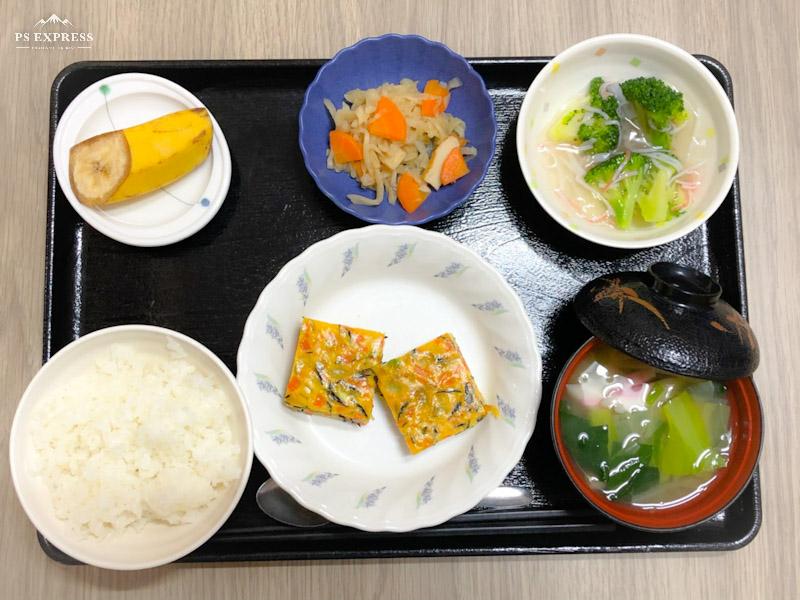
[{"x": 641, "y": 435}]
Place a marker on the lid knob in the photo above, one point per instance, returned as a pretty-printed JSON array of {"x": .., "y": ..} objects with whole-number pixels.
[{"x": 684, "y": 285}]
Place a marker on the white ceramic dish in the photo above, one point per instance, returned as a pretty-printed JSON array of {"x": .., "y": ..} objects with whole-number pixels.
[
  {"x": 155, "y": 544},
  {"x": 412, "y": 285},
  {"x": 165, "y": 216},
  {"x": 619, "y": 57}
]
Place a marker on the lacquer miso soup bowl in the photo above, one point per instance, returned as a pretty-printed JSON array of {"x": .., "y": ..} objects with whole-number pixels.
[{"x": 655, "y": 418}]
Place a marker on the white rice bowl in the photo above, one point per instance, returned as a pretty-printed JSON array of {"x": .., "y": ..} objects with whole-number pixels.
[{"x": 131, "y": 447}]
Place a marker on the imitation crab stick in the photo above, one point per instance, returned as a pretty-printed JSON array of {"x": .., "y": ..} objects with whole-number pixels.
[
  {"x": 454, "y": 167},
  {"x": 433, "y": 174}
]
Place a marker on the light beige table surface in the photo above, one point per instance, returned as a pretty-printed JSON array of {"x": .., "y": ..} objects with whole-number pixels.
[{"x": 758, "y": 41}]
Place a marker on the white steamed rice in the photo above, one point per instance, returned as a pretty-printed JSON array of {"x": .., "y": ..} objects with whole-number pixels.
[{"x": 139, "y": 437}]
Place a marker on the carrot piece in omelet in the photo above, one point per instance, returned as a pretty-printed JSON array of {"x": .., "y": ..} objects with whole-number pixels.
[
  {"x": 431, "y": 393},
  {"x": 332, "y": 371}
]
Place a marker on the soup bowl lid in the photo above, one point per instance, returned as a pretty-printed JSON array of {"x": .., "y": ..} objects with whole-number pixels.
[{"x": 671, "y": 317}]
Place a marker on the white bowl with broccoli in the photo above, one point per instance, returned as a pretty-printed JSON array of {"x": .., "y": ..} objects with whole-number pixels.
[{"x": 627, "y": 141}]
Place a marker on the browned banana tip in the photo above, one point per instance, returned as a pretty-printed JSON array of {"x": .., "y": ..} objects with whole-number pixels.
[{"x": 74, "y": 158}]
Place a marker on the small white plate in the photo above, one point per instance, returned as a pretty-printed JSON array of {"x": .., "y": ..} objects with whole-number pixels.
[
  {"x": 165, "y": 216},
  {"x": 412, "y": 285}
]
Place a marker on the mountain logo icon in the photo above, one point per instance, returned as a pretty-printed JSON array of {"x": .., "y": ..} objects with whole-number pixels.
[{"x": 53, "y": 19}]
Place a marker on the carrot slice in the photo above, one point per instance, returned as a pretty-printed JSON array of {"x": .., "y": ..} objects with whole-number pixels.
[
  {"x": 306, "y": 342},
  {"x": 389, "y": 122},
  {"x": 345, "y": 148},
  {"x": 408, "y": 192},
  {"x": 434, "y": 106},
  {"x": 454, "y": 167}
]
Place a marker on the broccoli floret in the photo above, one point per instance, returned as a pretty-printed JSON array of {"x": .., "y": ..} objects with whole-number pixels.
[
  {"x": 656, "y": 204},
  {"x": 604, "y": 135},
  {"x": 650, "y": 189},
  {"x": 600, "y": 174},
  {"x": 577, "y": 126},
  {"x": 625, "y": 193},
  {"x": 664, "y": 105},
  {"x": 607, "y": 105},
  {"x": 657, "y": 106}
]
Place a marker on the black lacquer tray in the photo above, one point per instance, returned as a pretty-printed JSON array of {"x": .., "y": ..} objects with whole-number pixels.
[{"x": 206, "y": 286}]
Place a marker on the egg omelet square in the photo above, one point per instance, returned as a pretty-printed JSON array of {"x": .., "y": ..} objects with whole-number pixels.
[
  {"x": 332, "y": 371},
  {"x": 431, "y": 393}
]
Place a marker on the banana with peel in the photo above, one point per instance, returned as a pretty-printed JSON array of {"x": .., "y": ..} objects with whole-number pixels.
[{"x": 123, "y": 164}]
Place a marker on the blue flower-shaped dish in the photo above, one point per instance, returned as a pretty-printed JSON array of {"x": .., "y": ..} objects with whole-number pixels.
[{"x": 390, "y": 58}]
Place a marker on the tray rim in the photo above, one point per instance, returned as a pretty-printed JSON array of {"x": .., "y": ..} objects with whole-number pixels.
[{"x": 487, "y": 550}]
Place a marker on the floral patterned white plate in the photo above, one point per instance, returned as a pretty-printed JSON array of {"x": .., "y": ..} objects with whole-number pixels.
[{"x": 412, "y": 285}]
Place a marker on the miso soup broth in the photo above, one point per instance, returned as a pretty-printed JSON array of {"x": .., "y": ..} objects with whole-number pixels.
[
  {"x": 628, "y": 154},
  {"x": 640, "y": 435}
]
